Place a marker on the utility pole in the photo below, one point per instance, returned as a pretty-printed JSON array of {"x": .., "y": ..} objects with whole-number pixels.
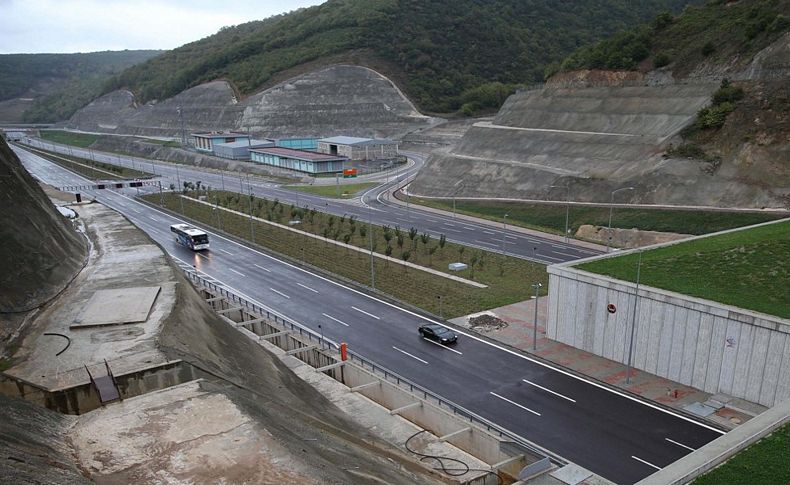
[
  {"x": 370, "y": 234},
  {"x": 535, "y": 321},
  {"x": 611, "y": 206},
  {"x": 633, "y": 322},
  {"x": 567, "y": 206},
  {"x": 504, "y": 228}
]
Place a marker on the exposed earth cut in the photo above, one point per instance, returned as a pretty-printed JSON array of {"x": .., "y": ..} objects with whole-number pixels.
[
  {"x": 338, "y": 100},
  {"x": 598, "y": 131}
]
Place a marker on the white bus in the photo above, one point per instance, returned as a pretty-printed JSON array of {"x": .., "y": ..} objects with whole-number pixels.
[{"x": 189, "y": 236}]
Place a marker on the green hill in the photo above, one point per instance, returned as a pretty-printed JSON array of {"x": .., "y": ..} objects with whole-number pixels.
[
  {"x": 443, "y": 53},
  {"x": 61, "y": 83},
  {"x": 718, "y": 33}
]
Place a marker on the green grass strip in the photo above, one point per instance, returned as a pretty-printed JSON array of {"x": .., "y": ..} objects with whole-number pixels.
[
  {"x": 82, "y": 140},
  {"x": 551, "y": 218},
  {"x": 508, "y": 278},
  {"x": 342, "y": 191},
  {"x": 748, "y": 269},
  {"x": 763, "y": 463}
]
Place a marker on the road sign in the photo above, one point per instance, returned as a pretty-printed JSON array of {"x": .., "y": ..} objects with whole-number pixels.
[
  {"x": 611, "y": 308},
  {"x": 349, "y": 173}
]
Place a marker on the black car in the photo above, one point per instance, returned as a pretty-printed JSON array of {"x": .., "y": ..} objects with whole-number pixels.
[{"x": 438, "y": 333}]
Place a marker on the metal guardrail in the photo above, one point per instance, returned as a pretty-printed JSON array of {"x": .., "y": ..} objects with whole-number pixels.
[{"x": 379, "y": 370}]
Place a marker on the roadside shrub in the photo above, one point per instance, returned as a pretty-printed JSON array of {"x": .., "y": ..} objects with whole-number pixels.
[
  {"x": 714, "y": 116},
  {"x": 662, "y": 59}
]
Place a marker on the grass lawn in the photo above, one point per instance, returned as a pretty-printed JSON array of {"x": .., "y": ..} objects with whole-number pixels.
[
  {"x": 508, "y": 278},
  {"x": 155, "y": 141},
  {"x": 749, "y": 269},
  {"x": 763, "y": 463},
  {"x": 551, "y": 218},
  {"x": 83, "y": 140},
  {"x": 90, "y": 169},
  {"x": 346, "y": 190}
]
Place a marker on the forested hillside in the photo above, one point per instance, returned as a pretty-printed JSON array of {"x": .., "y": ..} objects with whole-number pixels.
[
  {"x": 61, "y": 83},
  {"x": 445, "y": 54},
  {"x": 719, "y": 32}
]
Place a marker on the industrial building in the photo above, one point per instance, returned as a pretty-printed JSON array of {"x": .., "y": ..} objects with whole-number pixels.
[
  {"x": 299, "y": 160},
  {"x": 205, "y": 141},
  {"x": 240, "y": 150},
  {"x": 297, "y": 143},
  {"x": 359, "y": 149}
]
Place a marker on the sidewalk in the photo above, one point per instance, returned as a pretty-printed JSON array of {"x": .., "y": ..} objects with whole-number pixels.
[{"x": 515, "y": 329}]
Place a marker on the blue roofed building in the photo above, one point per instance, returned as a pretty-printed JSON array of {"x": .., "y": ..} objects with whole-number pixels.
[
  {"x": 359, "y": 149},
  {"x": 298, "y": 160}
]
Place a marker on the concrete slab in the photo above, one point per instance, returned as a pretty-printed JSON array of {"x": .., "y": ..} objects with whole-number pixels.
[
  {"x": 121, "y": 257},
  {"x": 123, "y": 305},
  {"x": 571, "y": 474},
  {"x": 699, "y": 409}
]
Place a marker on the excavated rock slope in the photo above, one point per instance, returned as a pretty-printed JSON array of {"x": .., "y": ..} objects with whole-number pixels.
[
  {"x": 41, "y": 251},
  {"x": 597, "y": 139},
  {"x": 338, "y": 100}
]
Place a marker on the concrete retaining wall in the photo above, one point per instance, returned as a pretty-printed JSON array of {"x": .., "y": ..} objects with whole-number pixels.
[
  {"x": 83, "y": 398},
  {"x": 710, "y": 346}
]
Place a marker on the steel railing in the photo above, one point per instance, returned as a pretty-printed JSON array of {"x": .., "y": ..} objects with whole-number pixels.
[{"x": 376, "y": 369}]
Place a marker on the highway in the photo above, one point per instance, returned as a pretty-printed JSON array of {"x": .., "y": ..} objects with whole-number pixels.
[
  {"x": 609, "y": 433},
  {"x": 373, "y": 205}
]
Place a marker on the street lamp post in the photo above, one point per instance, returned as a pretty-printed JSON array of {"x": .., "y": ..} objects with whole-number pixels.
[
  {"x": 567, "y": 206},
  {"x": 504, "y": 229},
  {"x": 535, "y": 321},
  {"x": 611, "y": 207},
  {"x": 633, "y": 322},
  {"x": 460, "y": 185},
  {"x": 370, "y": 238}
]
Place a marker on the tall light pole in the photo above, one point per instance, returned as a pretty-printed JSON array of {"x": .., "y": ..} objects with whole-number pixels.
[
  {"x": 567, "y": 205},
  {"x": 535, "y": 321},
  {"x": 370, "y": 238},
  {"x": 611, "y": 206},
  {"x": 504, "y": 228},
  {"x": 459, "y": 185},
  {"x": 633, "y": 322},
  {"x": 183, "y": 132}
]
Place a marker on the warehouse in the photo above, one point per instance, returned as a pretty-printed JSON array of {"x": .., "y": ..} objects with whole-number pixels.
[
  {"x": 298, "y": 160},
  {"x": 297, "y": 143},
  {"x": 240, "y": 150},
  {"x": 205, "y": 141},
  {"x": 358, "y": 149}
]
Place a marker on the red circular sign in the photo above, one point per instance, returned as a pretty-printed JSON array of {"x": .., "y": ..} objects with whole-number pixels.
[{"x": 611, "y": 308}]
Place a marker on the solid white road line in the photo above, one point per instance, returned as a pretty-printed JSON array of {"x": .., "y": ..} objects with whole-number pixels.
[
  {"x": 565, "y": 254},
  {"x": 279, "y": 293},
  {"x": 548, "y": 390},
  {"x": 238, "y": 273},
  {"x": 366, "y": 313},
  {"x": 226, "y": 252},
  {"x": 442, "y": 346},
  {"x": 680, "y": 444},
  {"x": 261, "y": 267},
  {"x": 410, "y": 355},
  {"x": 645, "y": 462},
  {"x": 335, "y": 319},
  {"x": 469, "y": 335},
  {"x": 514, "y": 403},
  {"x": 307, "y": 288}
]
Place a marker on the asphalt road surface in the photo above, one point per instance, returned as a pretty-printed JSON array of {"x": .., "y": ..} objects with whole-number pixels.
[
  {"x": 373, "y": 205},
  {"x": 609, "y": 433}
]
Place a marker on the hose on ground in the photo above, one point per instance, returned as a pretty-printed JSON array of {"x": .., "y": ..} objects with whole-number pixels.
[{"x": 442, "y": 462}]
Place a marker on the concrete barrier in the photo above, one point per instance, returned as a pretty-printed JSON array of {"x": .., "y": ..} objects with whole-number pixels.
[
  {"x": 721, "y": 449},
  {"x": 700, "y": 343}
]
